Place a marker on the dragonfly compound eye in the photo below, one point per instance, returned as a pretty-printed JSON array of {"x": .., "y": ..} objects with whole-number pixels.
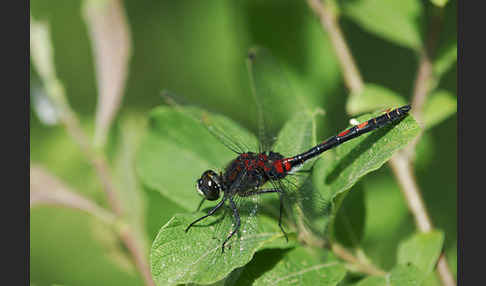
[{"x": 208, "y": 185}]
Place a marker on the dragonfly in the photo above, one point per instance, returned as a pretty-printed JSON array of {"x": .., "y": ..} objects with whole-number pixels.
[{"x": 248, "y": 173}]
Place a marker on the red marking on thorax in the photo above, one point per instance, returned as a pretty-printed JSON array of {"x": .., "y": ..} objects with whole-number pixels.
[
  {"x": 249, "y": 164},
  {"x": 260, "y": 164},
  {"x": 262, "y": 157}
]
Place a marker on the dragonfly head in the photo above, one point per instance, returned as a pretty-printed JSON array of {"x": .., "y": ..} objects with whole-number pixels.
[{"x": 209, "y": 185}]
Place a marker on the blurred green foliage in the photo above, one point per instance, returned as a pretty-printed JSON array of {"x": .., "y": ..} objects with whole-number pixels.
[{"x": 198, "y": 49}]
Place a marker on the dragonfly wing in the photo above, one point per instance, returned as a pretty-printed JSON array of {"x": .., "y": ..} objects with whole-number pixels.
[{"x": 274, "y": 99}]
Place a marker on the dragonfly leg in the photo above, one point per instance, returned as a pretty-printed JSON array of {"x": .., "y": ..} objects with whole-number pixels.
[
  {"x": 280, "y": 196},
  {"x": 211, "y": 212},
  {"x": 200, "y": 204},
  {"x": 238, "y": 222},
  {"x": 259, "y": 192}
]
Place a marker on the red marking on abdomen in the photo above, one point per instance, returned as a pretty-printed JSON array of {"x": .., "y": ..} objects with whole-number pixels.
[
  {"x": 343, "y": 133},
  {"x": 287, "y": 164},
  {"x": 250, "y": 164},
  {"x": 363, "y": 124},
  {"x": 278, "y": 166},
  {"x": 247, "y": 163}
]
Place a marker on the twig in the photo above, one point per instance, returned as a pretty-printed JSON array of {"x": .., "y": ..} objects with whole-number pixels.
[
  {"x": 359, "y": 264},
  {"x": 126, "y": 236},
  {"x": 400, "y": 162},
  {"x": 352, "y": 77},
  {"x": 110, "y": 37},
  {"x": 45, "y": 188},
  {"x": 41, "y": 51},
  {"x": 403, "y": 172},
  {"x": 97, "y": 160},
  {"x": 99, "y": 163}
]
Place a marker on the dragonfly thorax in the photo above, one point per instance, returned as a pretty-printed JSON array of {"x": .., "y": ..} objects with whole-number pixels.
[{"x": 255, "y": 169}]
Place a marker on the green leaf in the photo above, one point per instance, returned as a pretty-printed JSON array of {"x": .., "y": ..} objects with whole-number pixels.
[
  {"x": 424, "y": 151},
  {"x": 349, "y": 224},
  {"x": 446, "y": 57},
  {"x": 299, "y": 135},
  {"x": 422, "y": 250},
  {"x": 438, "y": 106},
  {"x": 439, "y": 3},
  {"x": 396, "y": 21},
  {"x": 339, "y": 169},
  {"x": 179, "y": 147},
  {"x": 401, "y": 275},
  {"x": 373, "y": 97},
  {"x": 130, "y": 193},
  {"x": 405, "y": 275},
  {"x": 180, "y": 257},
  {"x": 373, "y": 281},
  {"x": 75, "y": 248},
  {"x": 298, "y": 266}
]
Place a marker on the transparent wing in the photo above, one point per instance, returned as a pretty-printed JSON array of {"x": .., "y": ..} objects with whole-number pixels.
[
  {"x": 229, "y": 133},
  {"x": 274, "y": 99},
  {"x": 256, "y": 229}
]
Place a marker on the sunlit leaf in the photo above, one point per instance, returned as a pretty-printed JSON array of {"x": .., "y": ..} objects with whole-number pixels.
[
  {"x": 298, "y": 266},
  {"x": 129, "y": 190},
  {"x": 274, "y": 97},
  {"x": 373, "y": 281},
  {"x": 421, "y": 250},
  {"x": 445, "y": 59},
  {"x": 338, "y": 170},
  {"x": 396, "y": 21},
  {"x": 349, "y": 225},
  {"x": 405, "y": 275},
  {"x": 196, "y": 256},
  {"x": 179, "y": 140},
  {"x": 372, "y": 98},
  {"x": 439, "y": 3},
  {"x": 438, "y": 107}
]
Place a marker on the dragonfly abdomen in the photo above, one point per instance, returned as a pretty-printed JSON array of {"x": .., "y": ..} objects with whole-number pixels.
[{"x": 348, "y": 134}]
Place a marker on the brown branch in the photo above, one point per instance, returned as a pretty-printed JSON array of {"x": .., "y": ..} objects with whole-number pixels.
[
  {"x": 358, "y": 264},
  {"x": 444, "y": 271},
  {"x": 402, "y": 169},
  {"x": 400, "y": 162},
  {"x": 126, "y": 236},
  {"x": 421, "y": 86},
  {"x": 98, "y": 162},
  {"x": 47, "y": 189},
  {"x": 352, "y": 77},
  {"x": 110, "y": 37},
  {"x": 41, "y": 51}
]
